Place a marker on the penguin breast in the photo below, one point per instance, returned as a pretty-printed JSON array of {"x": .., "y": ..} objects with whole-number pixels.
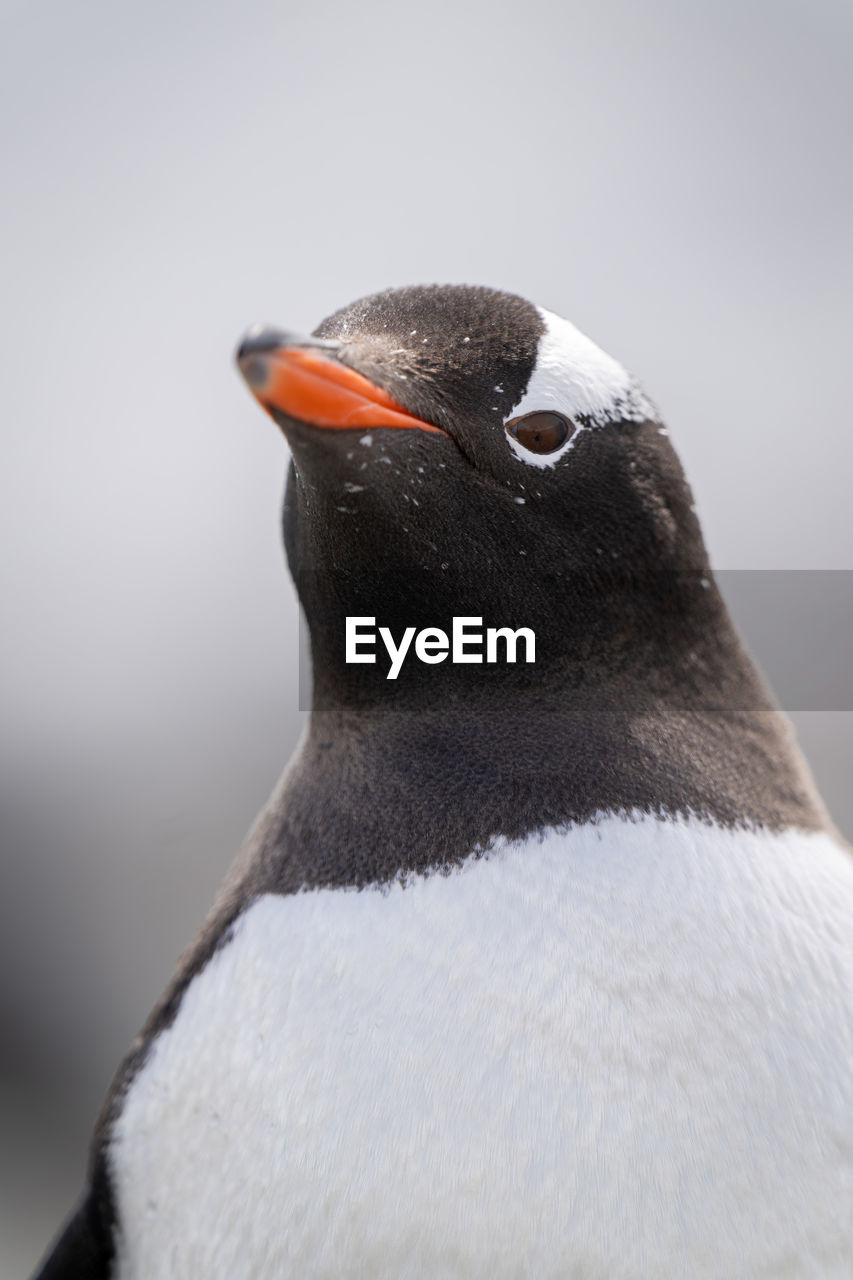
[{"x": 617, "y": 1050}]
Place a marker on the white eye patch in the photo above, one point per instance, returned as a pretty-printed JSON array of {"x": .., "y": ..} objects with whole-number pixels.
[{"x": 574, "y": 377}]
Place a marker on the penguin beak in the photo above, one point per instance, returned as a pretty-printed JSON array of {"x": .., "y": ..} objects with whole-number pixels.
[{"x": 300, "y": 378}]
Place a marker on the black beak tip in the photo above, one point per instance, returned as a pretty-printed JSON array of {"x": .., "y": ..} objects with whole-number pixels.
[{"x": 263, "y": 339}]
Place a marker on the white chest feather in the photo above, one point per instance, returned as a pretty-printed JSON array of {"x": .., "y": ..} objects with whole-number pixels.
[{"x": 623, "y": 1051}]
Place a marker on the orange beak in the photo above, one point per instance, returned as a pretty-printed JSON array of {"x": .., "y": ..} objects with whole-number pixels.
[{"x": 300, "y": 382}]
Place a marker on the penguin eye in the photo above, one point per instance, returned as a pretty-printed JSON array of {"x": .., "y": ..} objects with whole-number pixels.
[{"x": 541, "y": 432}]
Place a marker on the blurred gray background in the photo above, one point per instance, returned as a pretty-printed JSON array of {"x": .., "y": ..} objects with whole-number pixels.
[{"x": 674, "y": 177}]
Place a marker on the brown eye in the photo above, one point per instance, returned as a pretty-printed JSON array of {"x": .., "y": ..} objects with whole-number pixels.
[{"x": 540, "y": 432}]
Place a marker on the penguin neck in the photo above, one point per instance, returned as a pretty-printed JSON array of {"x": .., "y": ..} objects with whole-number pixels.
[
  {"x": 641, "y": 697},
  {"x": 404, "y": 776}
]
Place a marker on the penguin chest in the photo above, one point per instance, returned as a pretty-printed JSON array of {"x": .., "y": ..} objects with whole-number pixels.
[{"x": 621, "y": 1050}]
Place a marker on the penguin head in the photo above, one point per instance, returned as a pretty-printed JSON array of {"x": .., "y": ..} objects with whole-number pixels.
[{"x": 457, "y": 450}]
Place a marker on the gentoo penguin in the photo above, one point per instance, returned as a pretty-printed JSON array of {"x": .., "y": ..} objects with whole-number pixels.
[{"x": 539, "y": 962}]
